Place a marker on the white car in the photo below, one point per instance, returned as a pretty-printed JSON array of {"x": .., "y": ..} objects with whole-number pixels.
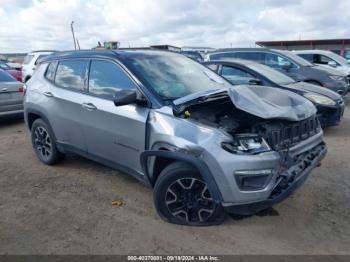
[
  {"x": 30, "y": 62},
  {"x": 326, "y": 59}
]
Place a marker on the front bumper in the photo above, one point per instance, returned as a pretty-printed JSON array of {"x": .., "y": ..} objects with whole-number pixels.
[
  {"x": 331, "y": 115},
  {"x": 286, "y": 183}
]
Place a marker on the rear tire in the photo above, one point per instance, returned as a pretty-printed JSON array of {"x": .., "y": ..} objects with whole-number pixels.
[
  {"x": 44, "y": 143},
  {"x": 181, "y": 196}
]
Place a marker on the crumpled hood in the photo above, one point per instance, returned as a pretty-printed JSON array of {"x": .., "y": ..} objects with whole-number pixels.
[{"x": 262, "y": 101}]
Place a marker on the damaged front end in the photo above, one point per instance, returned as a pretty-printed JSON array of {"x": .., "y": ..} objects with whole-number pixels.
[{"x": 273, "y": 141}]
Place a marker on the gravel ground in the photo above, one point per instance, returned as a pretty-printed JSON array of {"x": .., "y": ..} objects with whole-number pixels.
[{"x": 67, "y": 209}]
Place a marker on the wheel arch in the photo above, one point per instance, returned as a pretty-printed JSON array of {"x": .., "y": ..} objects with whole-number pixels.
[
  {"x": 31, "y": 115},
  {"x": 172, "y": 156}
]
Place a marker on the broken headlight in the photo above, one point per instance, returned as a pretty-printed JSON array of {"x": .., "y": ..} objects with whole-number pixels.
[{"x": 246, "y": 144}]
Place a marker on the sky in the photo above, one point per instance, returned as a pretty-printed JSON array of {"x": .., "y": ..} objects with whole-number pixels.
[{"x": 27, "y": 25}]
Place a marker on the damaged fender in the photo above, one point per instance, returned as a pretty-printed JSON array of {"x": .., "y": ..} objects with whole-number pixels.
[{"x": 197, "y": 162}]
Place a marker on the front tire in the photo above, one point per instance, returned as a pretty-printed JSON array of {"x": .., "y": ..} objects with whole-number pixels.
[
  {"x": 181, "y": 196},
  {"x": 44, "y": 143}
]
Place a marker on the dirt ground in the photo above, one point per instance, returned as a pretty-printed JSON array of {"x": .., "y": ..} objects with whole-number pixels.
[{"x": 66, "y": 209}]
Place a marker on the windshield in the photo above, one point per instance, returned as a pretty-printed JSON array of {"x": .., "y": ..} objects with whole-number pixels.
[
  {"x": 271, "y": 74},
  {"x": 193, "y": 55},
  {"x": 5, "y": 77},
  {"x": 297, "y": 59},
  {"x": 173, "y": 76}
]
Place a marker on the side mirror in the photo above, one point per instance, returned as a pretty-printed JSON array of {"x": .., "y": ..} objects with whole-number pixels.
[
  {"x": 286, "y": 66},
  {"x": 254, "y": 81},
  {"x": 125, "y": 97},
  {"x": 332, "y": 64}
]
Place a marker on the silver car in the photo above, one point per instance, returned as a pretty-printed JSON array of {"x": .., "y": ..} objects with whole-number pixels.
[
  {"x": 204, "y": 146},
  {"x": 11, "y": 97}
]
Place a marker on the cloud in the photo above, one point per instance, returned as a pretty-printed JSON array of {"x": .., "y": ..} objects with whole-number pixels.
[{"x": 45, "y": 24}]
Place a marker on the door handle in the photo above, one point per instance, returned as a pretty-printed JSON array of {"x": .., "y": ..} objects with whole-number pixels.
[
  {"x": 48, "y": 94},
  {"x": 89, "y": 106},
  {"x": 4, "y": 89}
]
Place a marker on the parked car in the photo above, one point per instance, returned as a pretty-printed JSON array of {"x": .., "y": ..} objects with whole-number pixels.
[
  {"x": 17, "y": 74},
  {"x": 195, "y": 55},
  {"x": 30, "y": 62},
  {"x": 289, "y": 63},
  {"x": 11, "y": 97},
  {"x": 326, "y": 58},
  {"x": 205, "y": 146},
  {"x": 330, "y": 105}
]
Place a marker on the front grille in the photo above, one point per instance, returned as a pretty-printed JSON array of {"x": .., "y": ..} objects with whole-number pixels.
[{"x": 291, "y": 133}]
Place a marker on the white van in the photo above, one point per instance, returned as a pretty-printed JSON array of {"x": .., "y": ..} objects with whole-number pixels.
[{"x": 30, "y": 61}]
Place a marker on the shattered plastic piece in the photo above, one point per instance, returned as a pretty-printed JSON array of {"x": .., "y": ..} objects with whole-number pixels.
[{"x": 117, "y": 203}]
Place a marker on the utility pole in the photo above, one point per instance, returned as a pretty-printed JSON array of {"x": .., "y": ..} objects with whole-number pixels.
[{"x": 71, "y": 27}]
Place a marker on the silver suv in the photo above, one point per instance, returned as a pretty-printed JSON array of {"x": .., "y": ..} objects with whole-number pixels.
[{"x": 203, "y": 145}]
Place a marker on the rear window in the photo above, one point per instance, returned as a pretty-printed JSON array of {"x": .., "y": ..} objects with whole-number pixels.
[
  {"x": 252, "y": 56},
  {"x": 71, "y": 74},
  {"x": 5, "y": 77},
  {"x": 27, "y": 59},
  {"x": 220, "y": 56}
]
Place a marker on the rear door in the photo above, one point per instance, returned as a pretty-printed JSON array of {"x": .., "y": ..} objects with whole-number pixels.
[
  {"x": 11, "y": 93},
  {"x": 116, "y": 134},
  {"x": 65, "y": 93}
]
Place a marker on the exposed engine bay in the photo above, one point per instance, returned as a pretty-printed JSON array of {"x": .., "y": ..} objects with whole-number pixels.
[{"x": 278, "y": 133}]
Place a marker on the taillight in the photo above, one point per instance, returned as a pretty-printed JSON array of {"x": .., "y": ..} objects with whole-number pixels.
[{"x": 22, "y": 89}]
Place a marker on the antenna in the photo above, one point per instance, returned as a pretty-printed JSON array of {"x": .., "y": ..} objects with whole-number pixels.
[{"x": 72, "y": 28}]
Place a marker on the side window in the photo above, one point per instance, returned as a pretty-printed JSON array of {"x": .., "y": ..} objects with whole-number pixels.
[
  {"x": 105, "y": 78},
  {"x": 308, "y": 57},
  {"x": 322, "y": 59},
  {"x": 51, "y": 70},
  {"x": 236, "y": 76},
  {"x": 253, "y": 56},
  {"x": 277, "y": 61},
  {"x": 71, "y": 74}
]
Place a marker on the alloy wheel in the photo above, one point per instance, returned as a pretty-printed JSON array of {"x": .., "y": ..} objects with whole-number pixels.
[
  {"x": 42, "y": 142},
  {"x": 189, "y": 199}
]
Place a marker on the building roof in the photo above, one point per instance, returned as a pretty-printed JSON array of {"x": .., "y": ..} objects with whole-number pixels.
[{"x": 342, "y": 41}]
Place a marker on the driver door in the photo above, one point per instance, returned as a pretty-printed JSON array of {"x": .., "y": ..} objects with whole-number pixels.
[{"x": 115, "y": 134}]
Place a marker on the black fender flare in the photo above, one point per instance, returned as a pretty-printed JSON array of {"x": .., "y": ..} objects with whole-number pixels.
[{"x": 197, "y": 162}]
